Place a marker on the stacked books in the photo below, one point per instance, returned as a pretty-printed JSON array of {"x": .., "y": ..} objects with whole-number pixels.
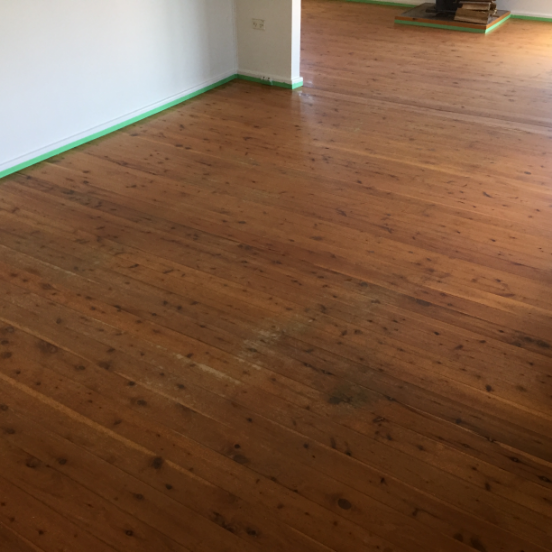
[{"x": 475, "y": 11}]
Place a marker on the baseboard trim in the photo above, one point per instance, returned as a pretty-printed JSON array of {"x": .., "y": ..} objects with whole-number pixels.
[
  {"x": 270, "y": 82},
  {"x": 76, "y": 143}
]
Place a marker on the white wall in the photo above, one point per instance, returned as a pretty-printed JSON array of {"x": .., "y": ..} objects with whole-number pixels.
[
  {"x": 536, "y": 8},
  {"x": 274, "y": 53},
  {"x": 69, "y": 68},
  {"x": 296, "y": 41}
]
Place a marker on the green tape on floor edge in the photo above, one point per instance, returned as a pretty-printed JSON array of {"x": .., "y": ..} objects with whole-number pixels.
[
  {"x": 118, "y": 126},
  {"x": 499, "y": 24},
  {"x": 402, "y": 5},
  {"x": 113, "y": 128},
  {"x": 452, "y": 28},
  {"x": 533, "y": 18},
  {"x": 439, "y": 26},
  {"x": 383, "y": 3}
]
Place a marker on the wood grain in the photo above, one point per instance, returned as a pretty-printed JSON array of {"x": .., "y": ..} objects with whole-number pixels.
[{"x": 316, "y": 320}]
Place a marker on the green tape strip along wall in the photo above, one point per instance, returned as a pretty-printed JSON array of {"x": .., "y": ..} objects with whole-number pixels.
[
  {"x": 133, "y": 120},
  {"x": 451, "y": 28},
  {"x": 118, "y": 126},
  {"x": 382, "y": 3},
  {"x": 408, "y": 5},
  {"x": 532, "y": 18}
]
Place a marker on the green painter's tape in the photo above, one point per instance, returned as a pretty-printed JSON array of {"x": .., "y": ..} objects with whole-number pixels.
[
  {"x": 452, "y": 28},
  {"x": 499, "y": 24},
  {"x": 382, "y": 3},
  {"x": 438, "y": 26},
  {"x": 136, "y": 119},
  {"x": 272, "y": 82},
  {"x": 111, "y": 129},
  {"x": 533, "y": 18}
]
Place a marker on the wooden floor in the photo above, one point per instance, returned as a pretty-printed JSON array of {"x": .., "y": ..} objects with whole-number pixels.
[{"x": 303, "y": 321}]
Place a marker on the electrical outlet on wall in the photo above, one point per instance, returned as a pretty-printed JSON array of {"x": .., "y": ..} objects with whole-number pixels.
[{"x": 259, "y": 24}]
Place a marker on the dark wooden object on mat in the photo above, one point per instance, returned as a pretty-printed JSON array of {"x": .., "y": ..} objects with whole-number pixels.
[{"x": 446, "y": 6}]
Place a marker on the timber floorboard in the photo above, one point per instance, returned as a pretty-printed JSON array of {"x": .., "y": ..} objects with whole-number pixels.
[{"x": 312, "y": 321}]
